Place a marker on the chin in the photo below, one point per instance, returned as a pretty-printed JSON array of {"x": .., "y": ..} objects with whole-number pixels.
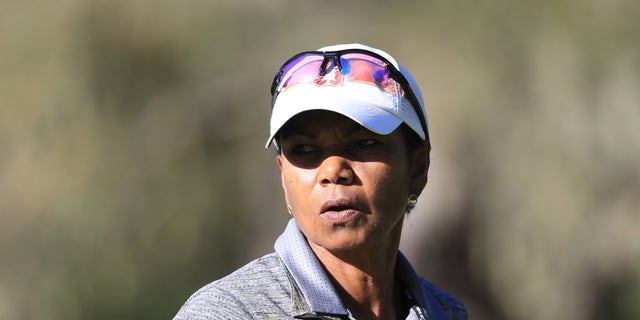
[{"x": 346, "y": 245}]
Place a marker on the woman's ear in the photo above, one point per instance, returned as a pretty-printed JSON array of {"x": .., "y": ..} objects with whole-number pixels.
[{"x": 419, "y": 165}]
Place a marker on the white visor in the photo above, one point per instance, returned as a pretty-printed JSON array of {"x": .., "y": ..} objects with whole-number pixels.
[{"x": 374, "y": 109}]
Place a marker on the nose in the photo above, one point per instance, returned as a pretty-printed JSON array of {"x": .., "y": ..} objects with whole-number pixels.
[{"x": 335, "y": 170}]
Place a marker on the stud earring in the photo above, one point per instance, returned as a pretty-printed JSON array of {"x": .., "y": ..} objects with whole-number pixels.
[
  {"x": 290, "y": 211},
  {"x": 412, "y": 200}
]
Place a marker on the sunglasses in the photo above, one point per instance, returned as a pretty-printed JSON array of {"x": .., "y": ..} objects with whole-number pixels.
[{"x": 333, "y": 68}]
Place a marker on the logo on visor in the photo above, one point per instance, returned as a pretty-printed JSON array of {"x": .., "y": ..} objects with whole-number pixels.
[{"x": 332, "y": 78}]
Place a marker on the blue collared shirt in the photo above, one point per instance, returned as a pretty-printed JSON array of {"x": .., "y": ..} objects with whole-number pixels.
[{"x": 291, "y": 284}]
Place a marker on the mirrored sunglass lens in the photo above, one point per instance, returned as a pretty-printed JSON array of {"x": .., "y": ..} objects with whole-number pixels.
[
  {"x": 357, "y": 67},
  {"x": 365, "y": 69},
  {"x": 303, "y": 69}
]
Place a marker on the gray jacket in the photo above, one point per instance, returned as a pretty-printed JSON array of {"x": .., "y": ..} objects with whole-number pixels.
[{"x": 291, "y": 284}]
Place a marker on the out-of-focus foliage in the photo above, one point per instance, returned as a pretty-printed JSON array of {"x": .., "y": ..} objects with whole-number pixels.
[{"x": 132, "y": 168}]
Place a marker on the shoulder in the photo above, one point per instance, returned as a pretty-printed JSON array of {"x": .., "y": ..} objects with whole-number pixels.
[
  {"x": 451, "y": 306},
  {"x": 261, "y": 284}
]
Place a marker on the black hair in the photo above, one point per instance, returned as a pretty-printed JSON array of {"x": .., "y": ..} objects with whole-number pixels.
[{"x": 412, "y": 140}]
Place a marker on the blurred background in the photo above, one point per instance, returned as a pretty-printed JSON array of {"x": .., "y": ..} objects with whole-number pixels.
[{"x": 133, "y": 172}]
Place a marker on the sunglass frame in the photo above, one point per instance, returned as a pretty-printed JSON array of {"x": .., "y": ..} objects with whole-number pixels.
[{"x": 394, "y": 73}]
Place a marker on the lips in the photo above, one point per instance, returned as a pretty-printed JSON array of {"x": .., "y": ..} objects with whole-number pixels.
[{"x": 339, "y": 210}]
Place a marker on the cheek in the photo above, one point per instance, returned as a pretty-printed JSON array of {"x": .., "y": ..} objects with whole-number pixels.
[
  {"x": 383, "y": 176},
  {"x": 296, "y": 184},
  {"x": 388, "y": 187}
]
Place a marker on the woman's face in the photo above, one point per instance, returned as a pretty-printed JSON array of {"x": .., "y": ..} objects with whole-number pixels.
[{"x": 347, "y": 187}]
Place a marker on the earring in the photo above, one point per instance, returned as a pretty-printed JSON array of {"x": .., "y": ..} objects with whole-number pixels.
[
  {"x": 290, "y": 211},
  {"x": 412, "y": 200}
]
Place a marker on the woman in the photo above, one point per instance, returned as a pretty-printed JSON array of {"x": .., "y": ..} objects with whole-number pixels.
[{"x": 352, "y": 142}]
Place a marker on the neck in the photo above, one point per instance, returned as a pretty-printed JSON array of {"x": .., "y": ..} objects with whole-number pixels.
[{"x": 364, "y": 278}]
